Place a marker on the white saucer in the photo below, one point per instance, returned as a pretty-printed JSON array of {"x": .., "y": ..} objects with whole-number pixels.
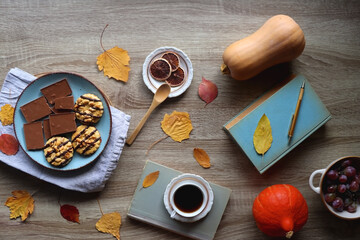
[
  {"x": 207, "y": 207},
  {"x": 185, "y": 64}
]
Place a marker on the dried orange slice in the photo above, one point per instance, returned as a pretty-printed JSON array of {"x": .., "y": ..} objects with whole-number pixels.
[
  {"x": 176, "y": 78},
  {"x": 173, "y": 59},
  {"x": 160, "y": 69}
]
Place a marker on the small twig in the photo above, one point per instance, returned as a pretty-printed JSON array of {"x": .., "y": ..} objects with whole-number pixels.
[
  {"x": 59, "y": 198},
  {"x": 34, "y": 192},
  {"x": 154, "y": 143},
  {"x": 102, "y": 33},
  {"x": 102, "y": 213}
]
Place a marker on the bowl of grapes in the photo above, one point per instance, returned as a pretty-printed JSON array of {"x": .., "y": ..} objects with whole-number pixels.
[{"x": 339, "y": 187}]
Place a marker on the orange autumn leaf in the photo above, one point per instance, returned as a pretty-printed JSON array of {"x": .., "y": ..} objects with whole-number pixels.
[
  {"x": 202, "y": 157},
  {"x": 8, "y": 144},
  {"x": 21, "y": 204},
  {"x": 177, "y": 125},
  {"x": 7, "y": 115},
  {"x": 70, "y": 213},
  {"x": 150, "y": 179},
  {"x": 114, "y": 62},
  {"x": 110, "y": 223}
]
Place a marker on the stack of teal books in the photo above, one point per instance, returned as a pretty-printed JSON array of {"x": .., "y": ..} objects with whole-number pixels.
[{"x": 278, "y": 104}]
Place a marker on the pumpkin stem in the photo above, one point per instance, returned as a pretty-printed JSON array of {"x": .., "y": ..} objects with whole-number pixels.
[
  {"x": 289, "y": 234},
  {"x": 224, "y": 69}
]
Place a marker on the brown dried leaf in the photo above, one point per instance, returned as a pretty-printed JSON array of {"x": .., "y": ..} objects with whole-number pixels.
[
  {"x": 202, "y": 157},
  {"x": 150, "y": 179},
  {"x": 177, "y": 125},
  {"x": 110, "y": 223}
]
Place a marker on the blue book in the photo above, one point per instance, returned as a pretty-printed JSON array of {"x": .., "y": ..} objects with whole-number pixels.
[{"x": 279, "y": 105}]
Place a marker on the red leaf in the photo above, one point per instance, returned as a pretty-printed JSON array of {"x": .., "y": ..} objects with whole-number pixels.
[
  {"x": 70, "y": 213},
  {"x": 9, "y": 144},
  {"x": 208, "y": 91}
]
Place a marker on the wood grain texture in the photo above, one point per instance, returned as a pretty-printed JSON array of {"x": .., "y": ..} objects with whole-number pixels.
[{"x": 63, "y": 35}]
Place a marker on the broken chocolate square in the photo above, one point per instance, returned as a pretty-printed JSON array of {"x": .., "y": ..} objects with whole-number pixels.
[
  {"x": 64, "y": 103},
  {"x": 57, "y": 111},
  {"x": 56, "y": 90},
  {"x": 61, "y": 123},
  {"x": 34, "y": 137},
  {"x": 46, "y": 127},
  {"x": 35, "y": 109}
]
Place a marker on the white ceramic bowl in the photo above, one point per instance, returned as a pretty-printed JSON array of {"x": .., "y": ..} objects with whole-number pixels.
[{"x": 185, "y": 64}]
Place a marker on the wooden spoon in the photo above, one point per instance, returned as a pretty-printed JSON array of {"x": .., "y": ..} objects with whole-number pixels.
[{"x": 160, "y": 95}]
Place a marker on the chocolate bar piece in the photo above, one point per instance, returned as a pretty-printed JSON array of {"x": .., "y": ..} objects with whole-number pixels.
[
  {"x": 35, "y": 109},
  {"x": 46, "y": 127},
  {"x": 61, "y": 123},
  {"x": 34, "y": 137},
  {"x": 64, "y": 103},
  {"x": 56, "y": 110},
  {"x": 56, "y": 90}
]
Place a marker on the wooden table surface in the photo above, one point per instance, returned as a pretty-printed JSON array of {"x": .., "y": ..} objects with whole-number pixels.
[{"x": 63, "y": 35}]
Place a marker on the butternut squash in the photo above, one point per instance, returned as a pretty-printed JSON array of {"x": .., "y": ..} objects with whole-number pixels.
[{"x": 279, "y": 40}]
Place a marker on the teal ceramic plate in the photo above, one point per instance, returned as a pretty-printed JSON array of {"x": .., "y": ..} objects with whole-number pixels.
[{"x": 79, "y": 85}]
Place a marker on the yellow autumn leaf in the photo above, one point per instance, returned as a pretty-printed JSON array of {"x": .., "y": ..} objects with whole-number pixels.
[
  {"x": 150, "y": 179},
  {"x": 262, "y": 136},
  {"x": 202, "y": 157},
  {"x": 7, "y": 115},
  {"x": 115, "y": 63},
  {"x": 177, "y": 125},
  {"x": 21, "y": 204},
  {"x": 110, "y": 223}
]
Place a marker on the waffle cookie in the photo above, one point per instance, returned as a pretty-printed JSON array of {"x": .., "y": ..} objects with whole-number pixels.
[
  {"x": 58, "y": 151},
  {"x": 88, "y": 108},
  {"x": 86, "y": 139}
]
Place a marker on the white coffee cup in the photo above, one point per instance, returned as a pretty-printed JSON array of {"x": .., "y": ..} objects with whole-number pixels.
[{"x": 188, "y": 196}]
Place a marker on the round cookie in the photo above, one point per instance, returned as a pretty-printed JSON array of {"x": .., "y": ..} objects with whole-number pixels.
[
  {"x": 58, "y": 151},
  {"x": 86, "y": 139},
  {"x": 88, "y": 108}
]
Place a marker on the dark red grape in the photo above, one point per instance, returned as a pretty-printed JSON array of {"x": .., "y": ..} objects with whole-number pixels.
[
  {"x": 347, "y": 202},
  {"x": 343, "y": 178},
  {"x": 350, "y": 171},
  {"x": 329, "y": 197},
  {"x": 332, "y": 174},
  {"x": 357, "y": 178},
  {"x": 338, "y": 204},
  {"x": 331, "y": 188},
  {"x": 351, "y": 208},
  {"x": 346, "y": 163},
  {"x": 341, "y": 188},
  {"x": 354, "y": 186}
]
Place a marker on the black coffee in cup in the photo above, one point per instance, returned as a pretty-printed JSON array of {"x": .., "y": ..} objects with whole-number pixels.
[{"x": 188, "y": 198}]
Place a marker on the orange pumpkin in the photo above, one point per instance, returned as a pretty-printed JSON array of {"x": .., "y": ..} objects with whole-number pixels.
[
  {"x": 280, "y": 210},
  {"x": 279, "y": 40}
]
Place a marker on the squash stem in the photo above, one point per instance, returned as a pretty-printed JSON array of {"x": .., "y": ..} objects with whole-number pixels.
[
  {"x": 289, "y": 234},
  {"x": 224, "y": 69}
]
